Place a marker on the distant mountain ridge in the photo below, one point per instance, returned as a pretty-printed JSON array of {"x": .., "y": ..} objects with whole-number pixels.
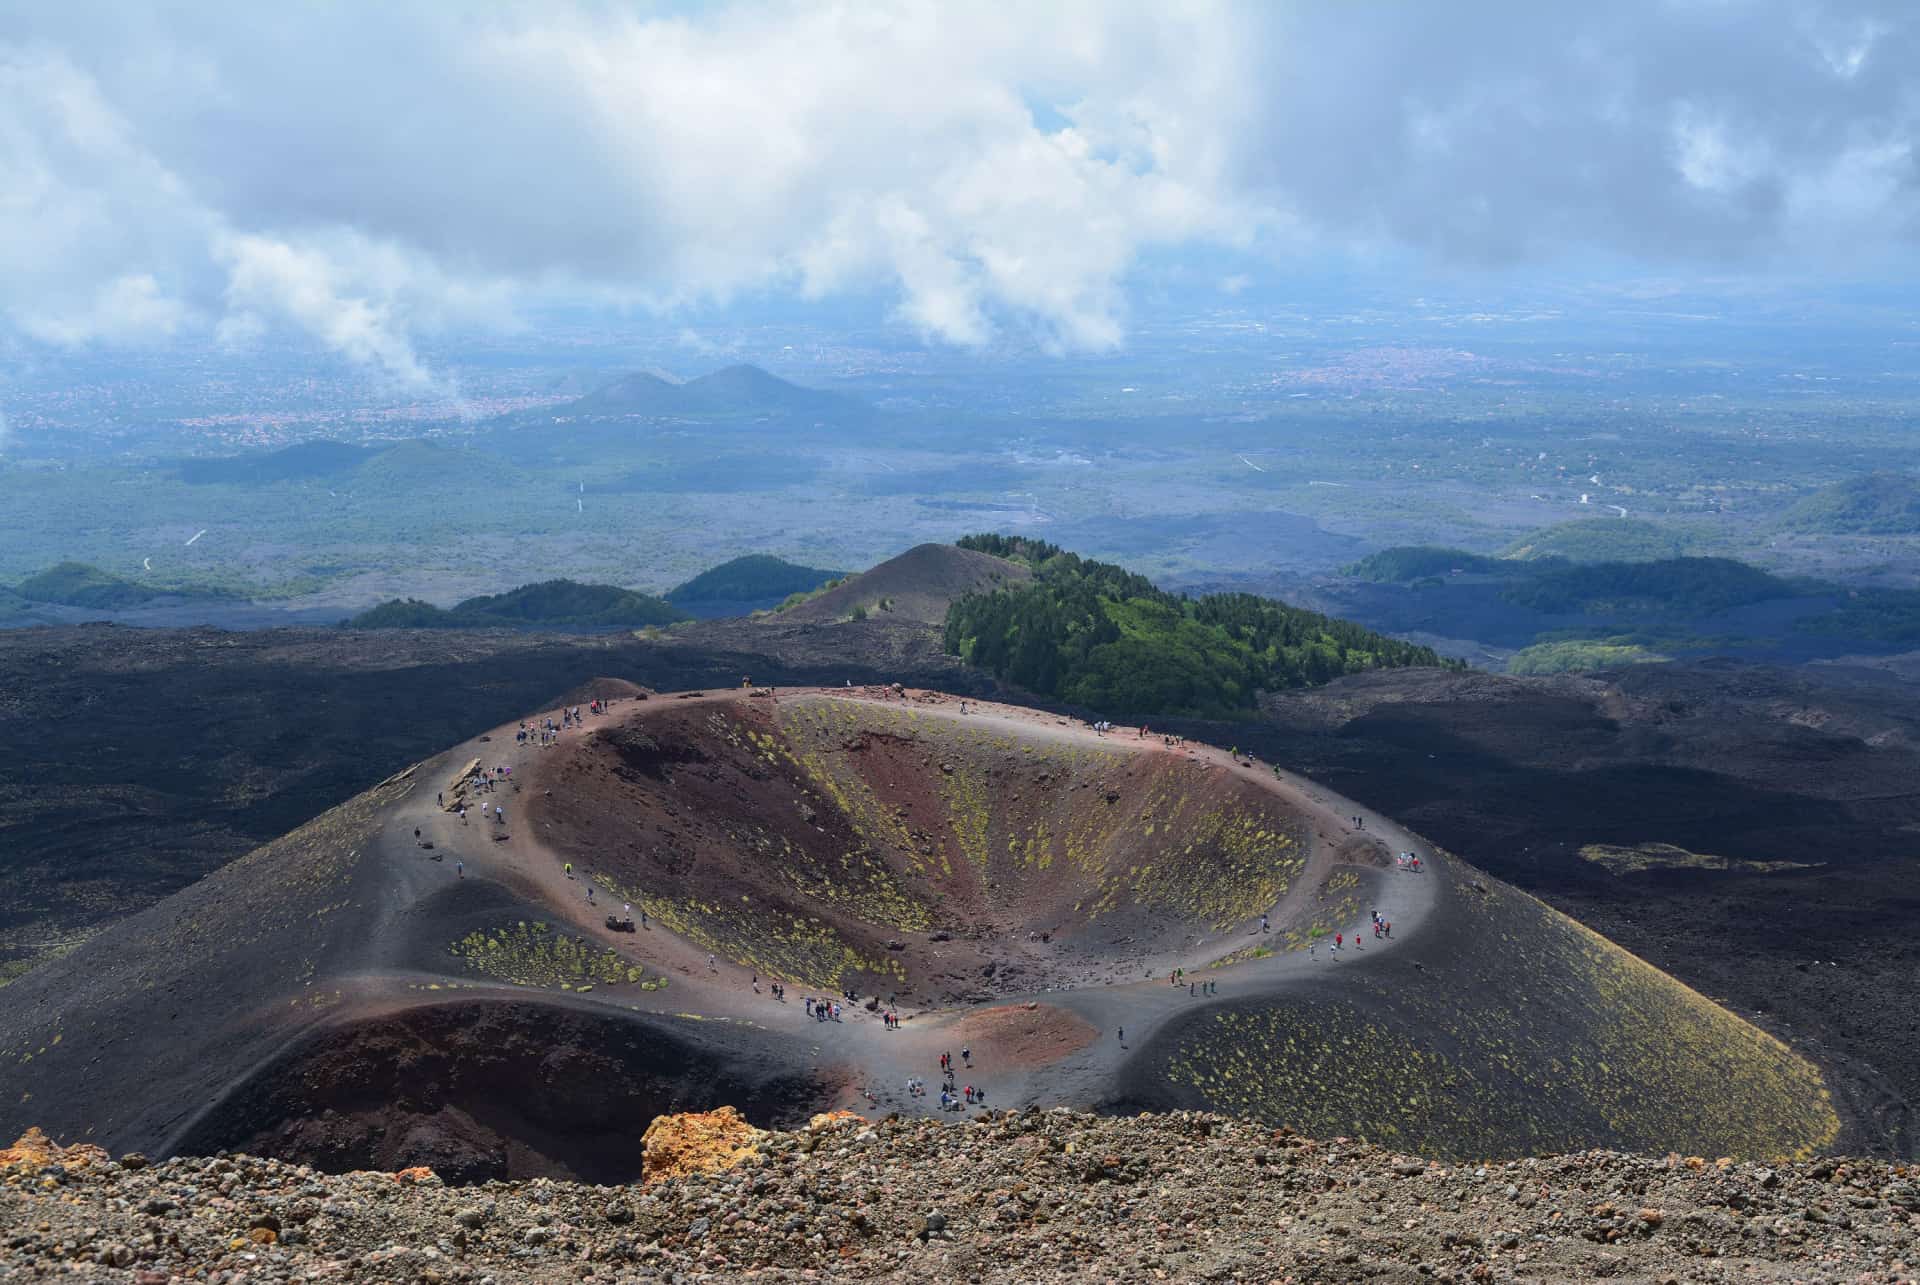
[
  {"x": 732, "y": 391},
  {"x": 317, "y": 458},
  {"x": 550, "y": 604}
]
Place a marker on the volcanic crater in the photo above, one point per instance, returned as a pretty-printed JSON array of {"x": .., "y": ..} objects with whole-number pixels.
[
  {"x": 830, "y": 889},
  {"x": 900, "y": 847}
]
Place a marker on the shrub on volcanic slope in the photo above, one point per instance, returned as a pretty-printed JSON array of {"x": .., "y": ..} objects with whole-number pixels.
[
  {"x": 1106, "y": 639},
  {"x": 1516, "y": 1032}
]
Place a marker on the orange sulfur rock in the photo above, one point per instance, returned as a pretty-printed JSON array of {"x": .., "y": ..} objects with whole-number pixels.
[
  {"x": 416, "y": 1175},
  {"x": 826, "y": 1118},
  {"x": 35, "y": 1151},
  {"x": 696, "y": 1142}
]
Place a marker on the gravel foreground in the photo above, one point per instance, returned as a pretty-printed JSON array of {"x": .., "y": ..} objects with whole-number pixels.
[{"x": 1029, "y": 1196}]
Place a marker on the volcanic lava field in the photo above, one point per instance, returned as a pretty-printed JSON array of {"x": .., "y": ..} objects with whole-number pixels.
[{"x": 397, "y": 984}]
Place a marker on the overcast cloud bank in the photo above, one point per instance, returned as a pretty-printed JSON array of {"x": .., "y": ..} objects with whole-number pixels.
[{"x": 364, "y": 174}]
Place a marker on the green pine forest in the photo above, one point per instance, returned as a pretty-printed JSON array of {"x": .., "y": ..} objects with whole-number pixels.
[{"x": 1104, "y": 638}]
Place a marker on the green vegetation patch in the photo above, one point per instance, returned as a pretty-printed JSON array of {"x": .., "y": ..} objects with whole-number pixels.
[
  {"x": 1575, "y": 656},
  {"x": 1102, "y": 637},
  {"x": 860, "y": 878},
  {"x": 1604, "y": 540},
  {"x": 533, "y": 954},
  {"x": 1207, "y": 863},
  {"x": 1325, "y": 1069},
  {"x": 77, "y": 584},
  {"x": 291, "y": 463},
  {"x": 1696, "y": 586},
  {"x": 1872, "y": 615},
  {"x": 1013, "y": 548},
  {"x": 793, "y": 600},
  {"x": 773, "y": 942},
  {"x": 1618, "y": 860},
  {"x": 1525, "y": 1033},
  {"x": 1407, "y": 563},
  {"x": 1883, "y": 503},
  {"x": 749, "y": 579},
  {"x": 551, "y": 603}
]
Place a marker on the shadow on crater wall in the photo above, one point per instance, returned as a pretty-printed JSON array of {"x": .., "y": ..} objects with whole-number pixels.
[{"x": 484, "y": 1090}]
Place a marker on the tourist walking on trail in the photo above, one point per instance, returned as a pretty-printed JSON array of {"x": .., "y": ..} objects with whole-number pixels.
[{"x": 460, "y": 870}]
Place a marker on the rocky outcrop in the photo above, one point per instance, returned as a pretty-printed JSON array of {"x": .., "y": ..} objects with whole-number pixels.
[
  {"x": 697, "y": 1142},
  {"x": 1029, "y": 1196}
]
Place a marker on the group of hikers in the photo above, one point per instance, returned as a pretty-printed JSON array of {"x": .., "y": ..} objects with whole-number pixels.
[
  {"x": 483, "y": 781},
  {"x": 1409, "y": 861},
  {"x": 1382, "y": 928},
  {"x": 1195, "y": 989},
  {"x": 546, "y": 732},
  {"x": 952, "y": 1096}
]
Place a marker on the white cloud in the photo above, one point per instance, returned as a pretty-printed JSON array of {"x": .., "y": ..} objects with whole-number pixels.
[
  {"x": 92, "y": 228},
  {"x": 364, "y": 175},
  {"x": 269, "y": 278},
  {"x": 131, "y": 309}
]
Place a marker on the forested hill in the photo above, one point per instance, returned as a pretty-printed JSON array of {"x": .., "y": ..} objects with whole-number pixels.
[
  {"x": 1877, "y": 504},
  {"x": 551, "y": 604},
  {"x": 1104, "y": 638},
  {"x": 754, "y": 578}
]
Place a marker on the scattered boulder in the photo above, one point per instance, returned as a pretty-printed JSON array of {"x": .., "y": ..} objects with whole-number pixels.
[
  {"x": 696, "y": 1142},
  {"x": 34, "y": 1152}
]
